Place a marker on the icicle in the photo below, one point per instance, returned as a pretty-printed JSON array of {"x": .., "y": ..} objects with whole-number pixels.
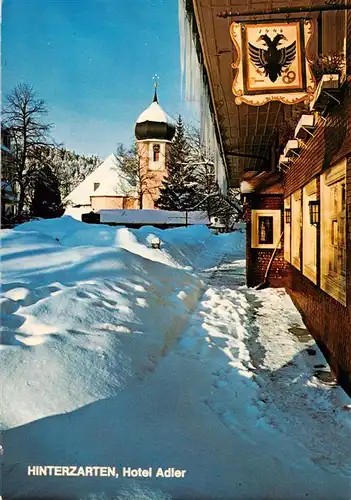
[
  {"x": 196, "y": 91},
  {"x": 182, "y": 36}
]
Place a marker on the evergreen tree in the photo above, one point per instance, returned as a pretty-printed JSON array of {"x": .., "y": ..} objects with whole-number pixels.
[
  {"x": 206, "y": 194},
  {"x": 179, "y": 190},
  {"x": 69, "y": 167},
  {"x": 46, "y": 201}
]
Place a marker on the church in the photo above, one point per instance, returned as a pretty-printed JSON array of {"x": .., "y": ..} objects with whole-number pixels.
[
  {"x": 154, "y": 132},
  {"x": 109, "y": 188}
]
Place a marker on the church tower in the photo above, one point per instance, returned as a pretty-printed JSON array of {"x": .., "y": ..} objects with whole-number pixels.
[{"x": 154, "y": 132}]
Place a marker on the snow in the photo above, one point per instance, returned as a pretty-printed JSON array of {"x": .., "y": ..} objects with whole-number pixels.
[
  {"x": 77, "y": 212},
  {"x": 124, "y": 355},
  {"x": 152, "y": 217},
  {"x": 154, "y": 113},
  {"x": 111, "y": 180},
  {"x": 246, "y": 187}
]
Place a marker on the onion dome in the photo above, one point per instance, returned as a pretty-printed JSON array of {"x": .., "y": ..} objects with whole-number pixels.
[{"x": 154, "y": 123}]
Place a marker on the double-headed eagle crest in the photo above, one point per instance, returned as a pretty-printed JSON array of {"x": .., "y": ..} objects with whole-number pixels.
[{"x": 272, "y": 60}]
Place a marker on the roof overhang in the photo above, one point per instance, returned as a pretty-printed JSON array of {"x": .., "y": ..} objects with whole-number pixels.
[
  {"x": 248, "y": 133},
  {"x": 262, "y": 183}
]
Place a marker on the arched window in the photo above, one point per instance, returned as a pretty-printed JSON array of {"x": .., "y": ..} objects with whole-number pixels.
[{"x": 156, "y": 149}]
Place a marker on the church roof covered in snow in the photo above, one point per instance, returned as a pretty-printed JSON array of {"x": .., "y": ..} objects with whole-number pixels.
[
  {"x": 154, "y": 113},
  {"x": 108, "y": 179},
  {"x": 154, "y": 123}
]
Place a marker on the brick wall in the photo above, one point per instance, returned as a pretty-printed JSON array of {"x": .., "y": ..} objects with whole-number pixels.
[
  {"x": 330, "y": 143},
  {"x": 326, "y": 318},
  {"x": 348, "y": 42},
  {"x": 258, "y": 259}
]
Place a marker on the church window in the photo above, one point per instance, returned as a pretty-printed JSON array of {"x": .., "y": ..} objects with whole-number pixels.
[{"x": 156, "y": 150}]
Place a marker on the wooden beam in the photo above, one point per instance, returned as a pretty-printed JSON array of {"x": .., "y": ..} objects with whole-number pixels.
[
  {"x": 246, "y": 155},
  {"x": 284, "y": 10}
]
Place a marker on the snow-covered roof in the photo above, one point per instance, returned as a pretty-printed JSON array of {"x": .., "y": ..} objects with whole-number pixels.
[
  {"x": 5, "y": 148},
  {"x": 154, "y": 113},
  {"x": 111, "y": 179},
  {"x": 263, "y": 182},
  {"x": 152, "y": 217},
  {"x": 7, "y": 192},
  {"x": 6, "y": 187}
]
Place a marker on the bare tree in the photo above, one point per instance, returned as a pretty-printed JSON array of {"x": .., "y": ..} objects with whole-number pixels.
[
  {"x": 190, "y": 166},
  {"x": 23, "y": 115},
  {"x": 215, "y": 203}
]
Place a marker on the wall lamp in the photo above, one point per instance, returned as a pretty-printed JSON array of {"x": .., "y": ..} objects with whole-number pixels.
[
  {"x": 314, "y": 212},
  {"x": 288, "y": 215}
]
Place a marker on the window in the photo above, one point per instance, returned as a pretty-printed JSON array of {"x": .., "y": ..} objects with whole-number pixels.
[
  {"x": 156, "y": 156},
  {"x": 128, "y": 203},
  {"x": 96, "y": 185},
  {"x": 5, "y": 139},
  {"x": 296, "y": 223},
  {"x": 333, "y": 232},
  {"x": 265, "y": 228},
  {"x": 309, "y": 245},
  {"x": 287, "y": 229},
  {"x": 156, "y": 150}
]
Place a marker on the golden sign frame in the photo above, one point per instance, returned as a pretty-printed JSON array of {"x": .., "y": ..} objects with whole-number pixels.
[{"x": 264, "y": 98}]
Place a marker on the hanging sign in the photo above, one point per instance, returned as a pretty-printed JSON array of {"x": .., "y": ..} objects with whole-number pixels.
[{"x": 272, "y": 62}]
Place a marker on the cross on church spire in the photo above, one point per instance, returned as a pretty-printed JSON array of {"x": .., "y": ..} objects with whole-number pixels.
[{"x": 155, "y": 79}]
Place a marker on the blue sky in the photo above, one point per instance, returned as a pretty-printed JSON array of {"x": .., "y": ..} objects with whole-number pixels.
[{"x": 92, "y": 61}]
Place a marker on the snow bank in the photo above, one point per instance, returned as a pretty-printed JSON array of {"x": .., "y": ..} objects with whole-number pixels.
[{"x": 88, "y": 307}]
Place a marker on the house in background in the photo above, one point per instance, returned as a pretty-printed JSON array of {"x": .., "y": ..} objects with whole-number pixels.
[
  {"x": 296, "y": 188},
  {"x": 8, "y": 187},
  {"x": 107, "y": 187}
]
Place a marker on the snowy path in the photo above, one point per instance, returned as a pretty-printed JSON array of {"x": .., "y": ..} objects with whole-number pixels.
[
  {"x": 277, "y": 391},
  {"x": 233, "y": 402}
]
